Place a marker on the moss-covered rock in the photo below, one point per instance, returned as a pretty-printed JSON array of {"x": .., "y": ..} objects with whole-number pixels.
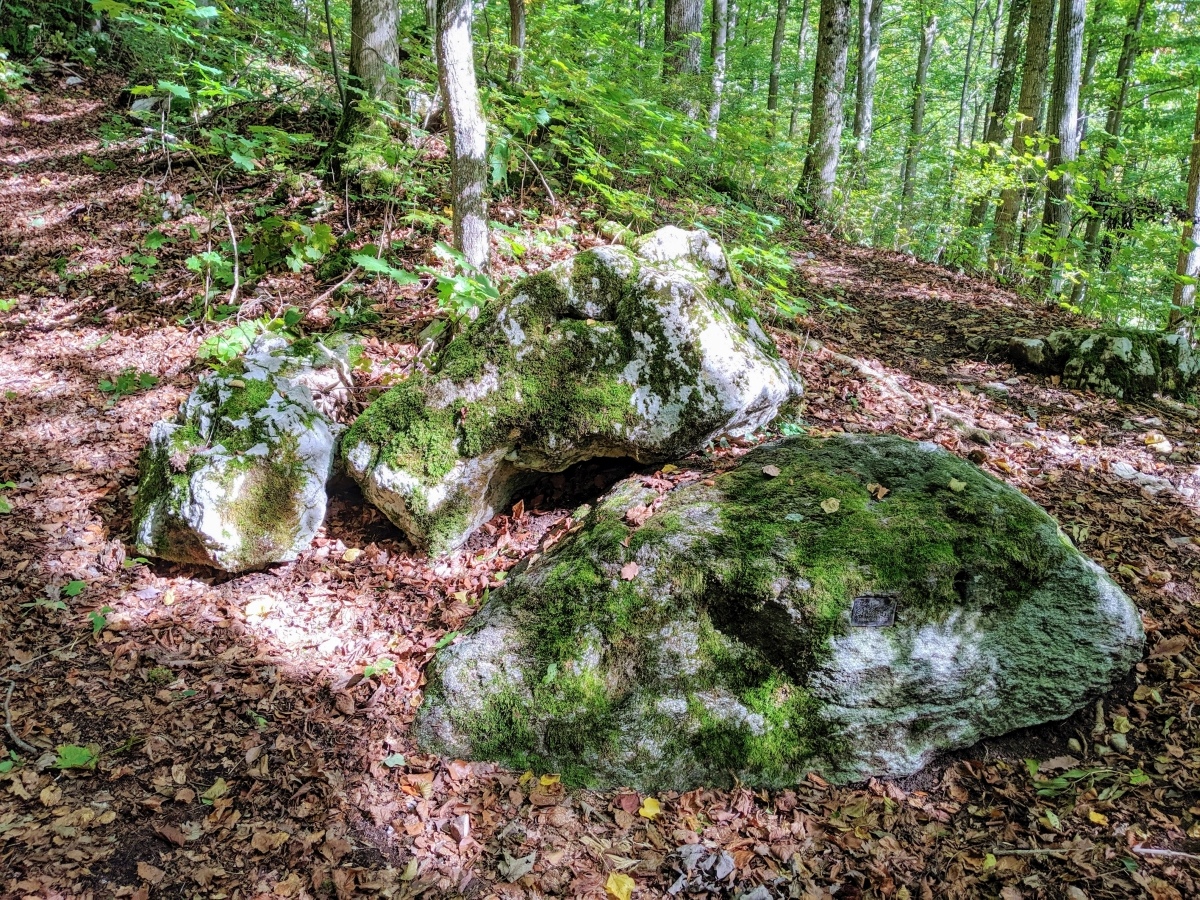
[
  {"x": 1122, "y": 362},
  {"x": 875, "y": 602},
  {"x": 646, "y": 352},
  {"x": 237, "y": 481}
]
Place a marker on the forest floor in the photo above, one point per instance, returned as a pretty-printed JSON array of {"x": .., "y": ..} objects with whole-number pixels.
[{"x": 242, "y": 747}]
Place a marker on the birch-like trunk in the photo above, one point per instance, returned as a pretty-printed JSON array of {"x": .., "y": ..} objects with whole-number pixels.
[
  {"x": 870, "y": 15},
  {"x": 968, "y": 65},
  {"x": 1063, "y": 126},
  {"x": 781, "y": 11},
  {"x": 1188, "y": 270},
  {"x": 1029, "y": 111},
  {"x": 801, "y": 46},
  {"x": 825, "y": 123},
  {"x": 468, "y": 130}
]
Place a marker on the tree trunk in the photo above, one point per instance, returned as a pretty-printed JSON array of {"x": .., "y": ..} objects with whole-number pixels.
[
  {"x": 1089, "y": 70},
  {"x": 781, "y": 11},
  {"x": 720, "y": 29},
  {"x": 374, "y": 49},
  {"x": 917, "y": 124},
  {"x": 997, "y": 119},
  {"x": 825, "y": 123},
  {"x": 801, "y": 41},
  {"x": 870, "y": 14},
  {"x": 966, "y": 79},
  {"x": 683, "y": 22},
  {"x": 1188, "y": 270},
  {"x": 641, "y": 5},
  {"x": 1029, "y": 110},
  {"x": 1063, "y": 124},
  {"x": 1112, "y": 128},
  {"x": 516, "y": 40},
  {"x": 468, "y": 131}
]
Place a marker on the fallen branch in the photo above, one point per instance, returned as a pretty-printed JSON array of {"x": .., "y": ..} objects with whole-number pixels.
[
  {"x": 12, "y": 733},
  {"x": 1170, "y": 854}
]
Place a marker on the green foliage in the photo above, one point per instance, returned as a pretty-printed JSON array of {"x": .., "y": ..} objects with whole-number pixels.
[
  {"x": 73, "y": 756},
  {"x": 130, "y": 381},
  {"x": 220, "y": 349},
  {"x": 5, "y": 505}
]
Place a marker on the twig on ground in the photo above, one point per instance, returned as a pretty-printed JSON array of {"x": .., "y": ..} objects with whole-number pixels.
[
  {"x": 1156, "y": 851},
  {"x": 12, "y": 733}
]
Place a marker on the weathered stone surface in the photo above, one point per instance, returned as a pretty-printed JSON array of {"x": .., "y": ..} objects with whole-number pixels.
[
  {"x": 646, "y": 352},
  {"x": 1121, "y": 362},
  {"x": 237, "y": 481},
  {"x": 716, "y": 638}
]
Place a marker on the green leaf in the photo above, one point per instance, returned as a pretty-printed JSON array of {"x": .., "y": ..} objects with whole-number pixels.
[
  {"x": 74, "y": 588},
  {"x": 242, "y": 161},
  {"x": 72, "y": 756},
  {"x": 381, "y": 267},
  {"x": 99, "y": 619},
  {"x": 445, "y": 641},
  {"x": 394, "y": 760},
  {"x": 176, "y": 89},
  {"x": 156, "y": 239}
]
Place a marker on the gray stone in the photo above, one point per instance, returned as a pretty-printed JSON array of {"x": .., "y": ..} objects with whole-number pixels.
[
  {"x": 729, "y": 649},
  {"x": 646, "y": 352},
  {"x": 237, "y": 480}
]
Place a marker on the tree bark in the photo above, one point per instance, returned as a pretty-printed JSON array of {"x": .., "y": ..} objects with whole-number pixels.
[
  {"x": 1112, "y": 128},
  {"x": 1063, "y": 123},
  {"x": 683, "y": 22},
  {"x": 641, "y": 32},
  {"x": 917, "y": 124},
  {"x": 374, "y": 49},
  {"x": 720, "y": 30},
  {"x": 1089, "y": 70},
  {"x": 870, "y": 15},
  {"x": 966, "y": 79},
  {"x": 997, "y": 120},
  {"x": 825, "y": 124},
  {"x": 1029, "y": 110},
  {"x": 801, "y": 42},
  {"x": 468, "y": 130},
  {"x": 516, "y": 40},
  {"x": 781, "y": 11},
  {"x": 1188, "y": 269}
]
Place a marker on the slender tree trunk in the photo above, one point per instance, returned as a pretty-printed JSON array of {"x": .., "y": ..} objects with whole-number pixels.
[
  {"x": 1183, "y": 303},
  {"x": 1029, "y": 111},
  {"x": 870, "y": 15},
  {"x": 720, "y": 28},
  {"x": 732, "y": 30},
  {"x": 374, "y": 49},
  {"x": 468, "y": 130},
  {"x": 997, "y": 118},
  {"x": 431, "y": 22},
  {"x": 825, "y": 123},
  {"x": 1064, "y": 149},
  {"x": 641, "y": 5},
  {"x": 516, "y": 40},
  {"x": 683, "y": 22},
  {"x": 1112, "y": 128},
  {"x": 966, "y": 79},
  {"x": 1089, "y": 70},
  {"x": 801, "y": 43},
  {"x": 917, "y": 124},
  {"x": 781, "y": 11}
]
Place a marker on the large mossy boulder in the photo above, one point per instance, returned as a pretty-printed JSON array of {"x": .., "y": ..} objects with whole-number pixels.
[
  {"x": 874, "y": 602},
  {"x": 645, "y": 352},
  {"x": 1121, "y": 362},
  {"x": 237, "y": 480}
]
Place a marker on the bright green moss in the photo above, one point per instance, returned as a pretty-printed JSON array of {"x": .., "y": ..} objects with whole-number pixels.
[{"x": 265, "y": 507}]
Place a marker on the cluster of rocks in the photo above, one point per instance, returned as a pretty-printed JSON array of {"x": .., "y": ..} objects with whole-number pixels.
[
  {"x": 846, "y": 605},
  {"x": 1121, "y": 362}
]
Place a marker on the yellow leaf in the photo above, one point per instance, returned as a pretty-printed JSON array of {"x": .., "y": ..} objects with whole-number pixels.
[
  {"x": 219, "y": 789},
  {"x": 1121, "y": 725},
  {"x": 168, "y": 596},
  {"x": 831, "y": 504},
  {"x": 1098, "y": 818},
  {"x": 525, "y": 778},
  {"x": 650, "y": 808},
  {"x": 619, "y": 887},
  {"x": 410, "y": 871},
  {"x": 547, "y": 780},
  {"x": 669, "y": 468},
  {"x": 260, "y": 607},
  {"x": 351, "y": 555},
  {"x": 462, "y": 596},
  {"x": 957, "y": 486}
]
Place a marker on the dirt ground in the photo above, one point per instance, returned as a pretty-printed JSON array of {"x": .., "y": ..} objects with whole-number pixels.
[{"x": 243, "y": 742}]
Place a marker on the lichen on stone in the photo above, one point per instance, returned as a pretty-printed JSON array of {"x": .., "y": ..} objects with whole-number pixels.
[{"x": 732, "y": 651}]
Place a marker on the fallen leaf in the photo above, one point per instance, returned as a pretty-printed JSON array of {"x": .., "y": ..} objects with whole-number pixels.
[
  {"x": 771, "y": 471},
  {"x": 171, "y": 834},
  {"x": 149, "y": 873},
  {"x": 1170, "y": 646},
  {"x": 878, "y": 491},
  {"x": 619, "y": 886},
  {"x": 1098, "y": 818},
  {"x": 547, "y": 780},
  {"x": 957, "y": 486},
  {"x": 636, "y": 515},
  {"x": 219, "y": 789},
  {"x": 627, "y": 802},
  {"x": 831, "y": 504},
  {"x": 650, "y": 808},
  {"x": 629, "y": 571},
  {"x": 518, "y": 509},
  {"x": 351, "y": 555},
  {"x": 265, "y": 841},
  {"x": 513, "y": 868}
]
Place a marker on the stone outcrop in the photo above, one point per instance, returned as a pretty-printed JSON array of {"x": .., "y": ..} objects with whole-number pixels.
[
  {"x": 646, "y": 352},
  {"x": 237, "y": 480},
  {"x": 849, "y": 606}
]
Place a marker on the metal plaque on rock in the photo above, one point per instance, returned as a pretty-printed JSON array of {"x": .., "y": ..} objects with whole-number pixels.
[{"x": 873, "y": 611}]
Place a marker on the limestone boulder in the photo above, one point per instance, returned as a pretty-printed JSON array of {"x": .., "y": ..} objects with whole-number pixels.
[
  {"x": 1121, "y": 362},
  {"x": 645, "y": 351},
  {"x": 849, "y": 606},
  {"x": 238, "y": 480}
]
